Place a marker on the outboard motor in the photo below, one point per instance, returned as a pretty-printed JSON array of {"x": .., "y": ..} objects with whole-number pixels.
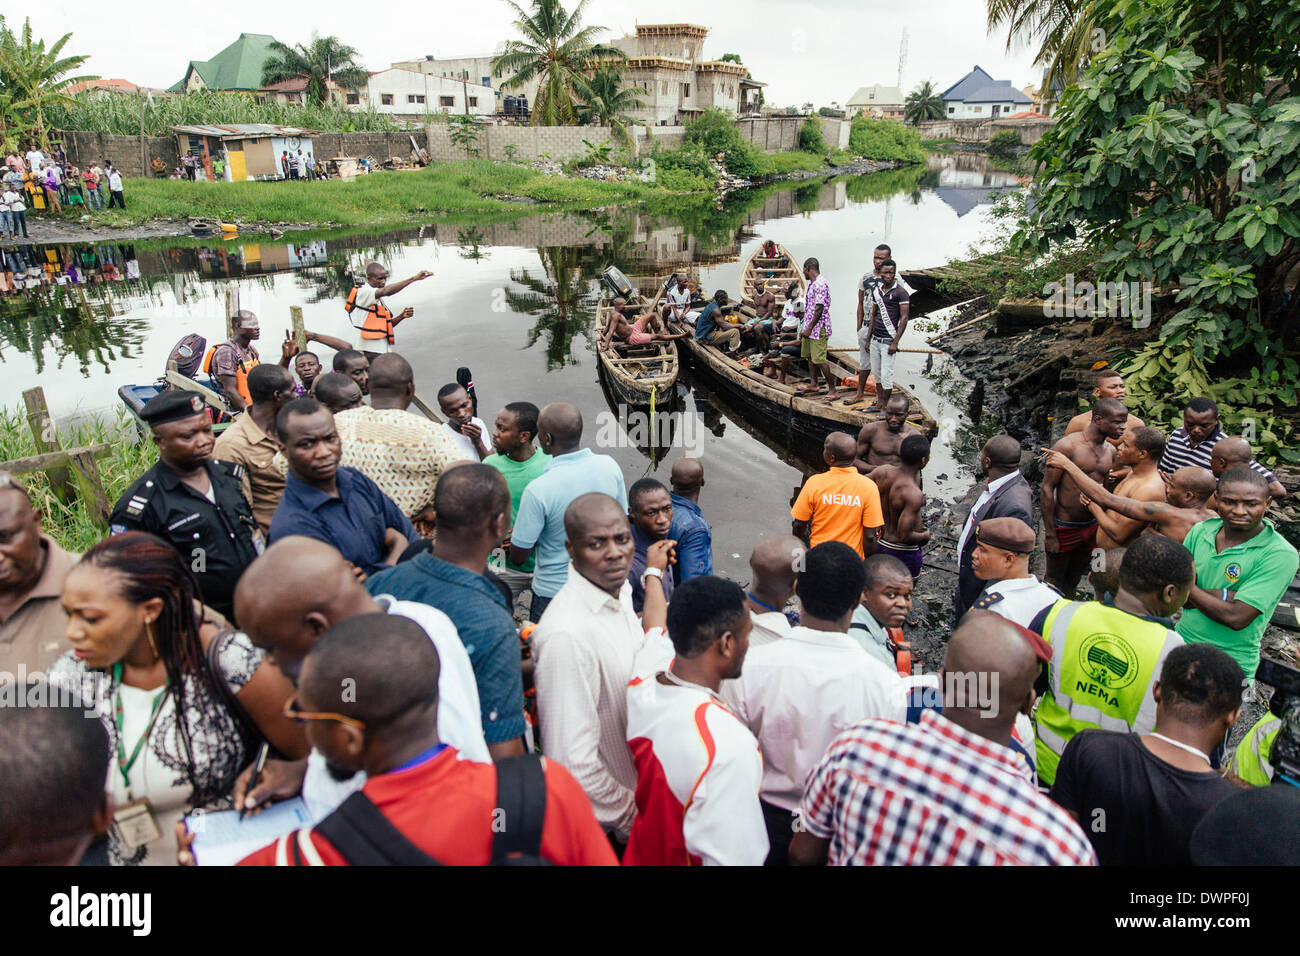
[{"x": 618, "y": 283}]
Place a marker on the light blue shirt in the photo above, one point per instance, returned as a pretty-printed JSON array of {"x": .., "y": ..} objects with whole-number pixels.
[{"x": 540, "y": 521}]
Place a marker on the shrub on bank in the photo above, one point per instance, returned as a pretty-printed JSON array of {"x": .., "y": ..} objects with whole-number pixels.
[
  {"x": 1004, "y": 142},
  {"x": 885, "y": 139}
]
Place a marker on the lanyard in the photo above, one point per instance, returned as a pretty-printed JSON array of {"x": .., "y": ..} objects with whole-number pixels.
[
  {"x": 124, "y": 764},
  {"x": 1183, "y": 746}
]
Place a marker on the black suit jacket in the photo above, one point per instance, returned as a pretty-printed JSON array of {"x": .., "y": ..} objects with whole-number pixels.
[{"x": 1015, "y": 499}]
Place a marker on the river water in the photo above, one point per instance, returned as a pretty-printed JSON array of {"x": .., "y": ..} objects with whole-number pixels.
[{"x": 515, "y": 303}]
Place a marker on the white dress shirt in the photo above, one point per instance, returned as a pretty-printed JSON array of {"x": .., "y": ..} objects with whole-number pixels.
[
  {"x": 459, "y": 721},
  {"x": 796, "y": 695},
  {"x": 584, "y": 653},
  {"x": 769, "y": 626},
  {"x": 985, "y": 495},
  {"x": 1019, "y": 600},
  {"x": 469, "y": 450}
]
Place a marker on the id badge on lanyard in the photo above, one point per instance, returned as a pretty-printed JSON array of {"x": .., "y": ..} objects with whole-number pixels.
[{"x": 134, "y": 821}]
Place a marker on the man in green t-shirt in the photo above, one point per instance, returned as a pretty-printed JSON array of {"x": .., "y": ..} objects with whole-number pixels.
[
  {"x": 520, "y": 462},
  {"x": 1243, "y": 567}
]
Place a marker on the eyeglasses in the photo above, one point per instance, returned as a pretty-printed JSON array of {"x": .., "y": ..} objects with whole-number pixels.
[{"x": 302, "y": 716}]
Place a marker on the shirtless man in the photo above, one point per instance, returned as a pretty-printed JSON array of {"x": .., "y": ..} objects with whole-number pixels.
[
  {"x": 1069, "y": 529},
  {"x": 1231, "y": 450},
  {"x": 879, "y": 441},
  {"x": 1139, "y": 452},
  {"x": 1110, "y": 384},
  {"x": 901, "y": 500},
  {"x": 641, "y": 332},
  {"x": 760, "y": 328},
  {"x": 1186, "y": 498}
]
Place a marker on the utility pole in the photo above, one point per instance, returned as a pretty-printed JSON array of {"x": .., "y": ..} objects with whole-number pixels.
[{"x": 464, "y": 85}]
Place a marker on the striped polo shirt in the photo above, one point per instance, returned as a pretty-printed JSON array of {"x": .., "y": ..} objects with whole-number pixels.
[{"x": 1179, "y": 453}]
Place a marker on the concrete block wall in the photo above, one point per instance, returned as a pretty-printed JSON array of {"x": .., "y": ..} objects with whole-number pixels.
[
  {"x": 377, "y": 146},
  {"x": 84, "y": 148},
  {"x": 836, "y": 132},
  {"x": 772, "y": 134},
  {"x": 980, "y": 131},
  {"x": 560, "y": 143}
]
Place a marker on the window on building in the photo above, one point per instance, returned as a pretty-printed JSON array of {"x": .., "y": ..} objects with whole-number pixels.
[
  {"x": 386, "y": 99},
  {"x": 487, "y": 81},
  {"x": 354, "y": 99},
  {"x": 473, "y": 101},
  {"x": 951, "y": 110},
  {"x": 686, "y": 89},
  {"x": 977, "y": 109},
  {"x": 414, "y": 97},
  {"x": 446, "y": 101}
]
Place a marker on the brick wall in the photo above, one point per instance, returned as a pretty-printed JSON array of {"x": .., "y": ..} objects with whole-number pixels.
[
  {"x": 980, "y": 131},
  {"x": 84, "y": 148},
  {"x": 530, "y": 142},
  {"x": 772, "y": 134}
]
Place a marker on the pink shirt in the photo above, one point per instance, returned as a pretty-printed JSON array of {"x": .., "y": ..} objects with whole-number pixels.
[{"x": 819, "y": 293}]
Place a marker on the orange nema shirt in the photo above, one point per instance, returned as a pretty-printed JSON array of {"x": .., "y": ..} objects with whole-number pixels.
[{"x": 839, "y": 503}]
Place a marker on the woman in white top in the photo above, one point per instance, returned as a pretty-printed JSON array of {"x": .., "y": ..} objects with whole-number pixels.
[
  {"x": 17, "y": 211},
  {"x": 178, "y": 740}
]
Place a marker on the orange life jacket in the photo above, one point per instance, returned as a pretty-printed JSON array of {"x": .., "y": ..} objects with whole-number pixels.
[
  {"x": 378, "y": 323},
  {"x": 241, "y": 372}
]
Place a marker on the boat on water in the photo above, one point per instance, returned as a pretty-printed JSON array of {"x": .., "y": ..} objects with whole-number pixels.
[
  {"x": 803, "y": 418},
  {"x": 638, "y": 374}
]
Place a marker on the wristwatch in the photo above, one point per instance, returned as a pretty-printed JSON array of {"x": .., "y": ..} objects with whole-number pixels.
[{"x": 651, "y": 573}]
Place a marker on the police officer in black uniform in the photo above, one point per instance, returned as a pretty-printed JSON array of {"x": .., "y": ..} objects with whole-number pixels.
[{"x": 192, "y": 502}]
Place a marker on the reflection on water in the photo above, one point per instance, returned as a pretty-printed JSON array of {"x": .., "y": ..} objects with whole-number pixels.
[
  {"x": 561, "y": 299},
  {"x": 964, "y": 181},
  {"x": 516, "y": 303}
]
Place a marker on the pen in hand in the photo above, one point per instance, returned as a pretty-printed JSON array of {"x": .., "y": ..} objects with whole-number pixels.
[{"x": 258, "y": 764}]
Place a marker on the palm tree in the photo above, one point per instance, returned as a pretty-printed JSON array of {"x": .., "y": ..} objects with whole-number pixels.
[
  {"x": 324, "y": 61},
  {"x": 609, "y": 102},
  {"x": 559, "y": 52},
  {"x": 34, "y": 77},
  {"x": 562, "y": 302},
  {"x": 1063, "y": 30},
  {"x": 923, "y": 103}
]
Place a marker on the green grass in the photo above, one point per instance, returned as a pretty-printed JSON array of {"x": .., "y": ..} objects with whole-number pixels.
[
  {"x": 464, "y": 186},
  {"x": 71, "y": 524},
  {"x": 768, "y": 164}
]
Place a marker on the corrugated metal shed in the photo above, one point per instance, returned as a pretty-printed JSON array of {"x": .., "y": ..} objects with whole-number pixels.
[{"x": 245, "y": 130}]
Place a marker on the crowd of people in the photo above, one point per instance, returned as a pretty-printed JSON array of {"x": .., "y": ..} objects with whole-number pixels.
[
  {"x": 473, "y": 644},
  {"x": 34, "y": 182}
]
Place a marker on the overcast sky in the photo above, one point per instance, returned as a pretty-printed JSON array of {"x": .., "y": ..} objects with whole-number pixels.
[{"x": 821, "y": 52}]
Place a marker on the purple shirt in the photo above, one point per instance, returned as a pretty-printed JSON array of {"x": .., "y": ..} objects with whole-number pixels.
[{"x": 819, "y": 293}]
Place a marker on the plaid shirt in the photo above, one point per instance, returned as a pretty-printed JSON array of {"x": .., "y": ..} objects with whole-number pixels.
[{"x": 932, "y": 793}]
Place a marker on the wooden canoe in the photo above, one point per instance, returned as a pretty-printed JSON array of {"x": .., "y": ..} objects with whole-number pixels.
[
  {"x": 802, "y": 419},
  {"x": 776, "y": 274},
  {"x": 637, "y": 373}
]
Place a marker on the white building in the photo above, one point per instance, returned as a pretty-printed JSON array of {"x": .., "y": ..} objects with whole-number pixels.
[
  {"x": 407, "y": 93},
  {"x": 478, "y": 69},
  {"x": 665, "y": 63},
  {"x": 978, "y": 96},
  {"x": 881, "y": 102}
]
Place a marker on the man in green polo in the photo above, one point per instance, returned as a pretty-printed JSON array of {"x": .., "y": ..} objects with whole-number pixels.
[
  {"x": 1106, "y": 656},
  {"x": 1243, "y": 568}
]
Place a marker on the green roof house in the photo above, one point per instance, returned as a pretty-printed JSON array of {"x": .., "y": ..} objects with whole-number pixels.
[{"x": 237, "y": 67}]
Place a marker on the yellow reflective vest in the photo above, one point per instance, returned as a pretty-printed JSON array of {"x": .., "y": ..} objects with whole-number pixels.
[{"x": 1104, "y": 663}]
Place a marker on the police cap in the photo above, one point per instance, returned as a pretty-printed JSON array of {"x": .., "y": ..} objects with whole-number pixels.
[
  {"x": 171, "y": 406},
  {"x": 1009, "y": 534}
]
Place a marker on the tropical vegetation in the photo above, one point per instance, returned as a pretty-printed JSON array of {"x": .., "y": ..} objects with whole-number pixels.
[
  {"x": 33, "y": 78},
  {"x": 922, "y": 104},
  {"x": 559, "y": 52},
  {"x": 609, "y": 103},
  {"x": 119, "y": 114},
  {"x": 1067, "y": 33},
  {"x": 1177, "y": 160},
  {"x": 885, "y": 139},
  {"x": 323, "y": 62}
]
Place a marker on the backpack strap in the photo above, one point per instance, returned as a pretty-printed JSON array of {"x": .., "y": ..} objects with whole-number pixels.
[
  {"x": 521, "y": 798},
  {"x": 365, "y": 837}
]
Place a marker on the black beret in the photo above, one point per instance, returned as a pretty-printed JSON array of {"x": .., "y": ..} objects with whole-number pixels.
[
  {"x": 171, "y": 406},
  {"x": 1009, "y": 534}
]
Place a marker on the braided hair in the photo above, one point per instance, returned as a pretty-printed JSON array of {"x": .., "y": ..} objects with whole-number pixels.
[{"x": 148, "y": 568}]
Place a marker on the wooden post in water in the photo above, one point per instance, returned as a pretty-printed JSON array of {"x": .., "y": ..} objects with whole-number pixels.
[
  {"x": 299, "y": 333},
  {"x": 86, "y": 470},
  {"x": 42, "y": 425},
  {"x": 230, "y": 314}
]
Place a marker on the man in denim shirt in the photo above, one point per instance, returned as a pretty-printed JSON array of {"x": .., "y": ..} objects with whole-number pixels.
[{"x": 691, "y": 532}]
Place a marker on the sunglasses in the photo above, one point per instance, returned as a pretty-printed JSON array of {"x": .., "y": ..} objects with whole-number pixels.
[{"x": 302, "y": 716}]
